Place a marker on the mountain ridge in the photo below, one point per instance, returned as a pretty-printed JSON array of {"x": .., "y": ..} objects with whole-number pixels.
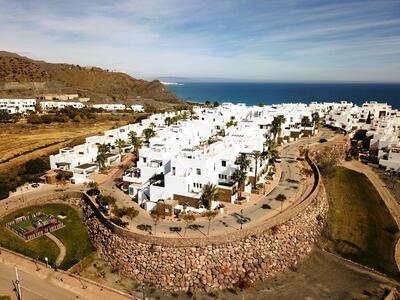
[{"x": 21, "y": 76}]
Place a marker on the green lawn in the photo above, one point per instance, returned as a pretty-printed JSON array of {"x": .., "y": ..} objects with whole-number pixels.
[
  {"x": 360, "y": 226},
  {"x": 74, "y": 236}
]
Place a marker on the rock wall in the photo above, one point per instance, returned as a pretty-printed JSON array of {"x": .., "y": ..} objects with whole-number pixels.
[{"x": 216, "y": 266}]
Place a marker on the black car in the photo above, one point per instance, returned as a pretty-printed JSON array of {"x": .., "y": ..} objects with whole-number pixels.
[{"x": 93, "y": 192}]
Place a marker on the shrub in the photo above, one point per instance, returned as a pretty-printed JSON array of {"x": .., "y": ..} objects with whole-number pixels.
[
  {"x": 34, "y": 119},
  {"x": 35, "y": 166},
  {"x": 4, "y": 191}
]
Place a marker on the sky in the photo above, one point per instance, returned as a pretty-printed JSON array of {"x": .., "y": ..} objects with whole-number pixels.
[{"x": 276, "y": 40}]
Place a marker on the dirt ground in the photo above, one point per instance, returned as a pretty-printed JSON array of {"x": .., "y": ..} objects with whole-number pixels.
[{"x": 320, "y": 276}]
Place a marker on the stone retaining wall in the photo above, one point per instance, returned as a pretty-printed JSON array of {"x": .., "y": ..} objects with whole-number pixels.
[{"x": 213, "y": 266}]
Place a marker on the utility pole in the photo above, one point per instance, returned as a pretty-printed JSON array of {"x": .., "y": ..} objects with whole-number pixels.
[{"x": 18, "y": 285}]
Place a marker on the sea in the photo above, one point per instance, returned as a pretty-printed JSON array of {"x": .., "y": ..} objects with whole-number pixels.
[{"x": 273, "y": 93}]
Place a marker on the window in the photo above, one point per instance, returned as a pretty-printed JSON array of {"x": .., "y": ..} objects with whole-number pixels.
[
  {"x": 198, "y": 171},
  {"x": 223, "y": 163}
]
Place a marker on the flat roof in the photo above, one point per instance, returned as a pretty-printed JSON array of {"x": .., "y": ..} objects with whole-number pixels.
[{"x": 86, "y": 166}]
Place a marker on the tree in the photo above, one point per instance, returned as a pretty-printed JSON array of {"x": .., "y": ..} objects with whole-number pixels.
[
  {"x": 210, "y": 215},
  {"x": 101, "y": 160},
  {"x": 152, "y": 125},
  {"x": 156, "y": 216},
  {"x": 188, "y": 218},
  {"x": 110, "y": 200},
  {"x": 256, "y": 156},
  {"x": 35, "y": 166},
  {"x": 281, "y": 198},
  {"x": 276, "y": 126},
  {"x": 315, "y": 119},
  {"x": 305, "y": 121},
  {"x": 148, "y": 133},
  {"x": 210, "y": 193},
  {"x": 207, "y": 103},
  {"x": 131, "y": 212},
  {"x": 243, "y": 162},
  {"x": 261, "y": 104},
  {"x": 216, "y": 104},
  {"x": 104, "y": 148},
  {"x": 120, "y": 144},
  {"x": 168, "y": 121},
  {"x": 239, "y": 176},
  {"x": 93, "y": 185},
  {"x": 5, "y": 116}
]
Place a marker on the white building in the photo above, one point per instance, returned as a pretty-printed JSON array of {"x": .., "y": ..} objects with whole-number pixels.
[
  {"x": 56, "y": 105},
  {"x": 13, "y": 106},
  {"x": 137, "y": 108},
  {"x": 110, "y": 106}
]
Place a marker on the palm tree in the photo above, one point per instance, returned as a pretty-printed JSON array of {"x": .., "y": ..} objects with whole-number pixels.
[
  {"x": 168, "y": 121},
  {"x": 243, "y": 162},
  {"x": 132, "y": 136},
  {"x": 157, "y": 216},
  {"x": 104, "y": 148},
  {"x": 315, "y": 119},
  {"x": 137, "y": 144},
  {"x": 273, "y": 154},
  {"x": 101, "y": 160},
  {"x": 188, "y": 218},
  {"x": 239, "y": 176},
  {"x": 210, "y": 214},
  {"x": 148, "y": 133},
  {"x": 210, "y": 193},
  {"x": 120, "y": 144},
  {"x": 256, "y": 155},
  {"x": 276, "y": 128},
  {"x": 305, "y": 121},
  {"x": 152, "y": 125}
]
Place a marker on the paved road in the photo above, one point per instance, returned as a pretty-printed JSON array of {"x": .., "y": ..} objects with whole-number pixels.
[
  {"x": 46, "y": 283},
  {"x": 33, "y": 287}
]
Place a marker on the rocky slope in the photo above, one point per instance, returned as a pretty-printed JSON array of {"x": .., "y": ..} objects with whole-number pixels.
[{"x": 24, "y": 77}]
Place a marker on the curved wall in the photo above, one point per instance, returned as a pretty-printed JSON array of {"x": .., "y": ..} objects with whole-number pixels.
[{"x": 187, "y": 264}]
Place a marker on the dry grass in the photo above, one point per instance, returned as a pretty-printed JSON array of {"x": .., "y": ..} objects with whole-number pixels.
[{"x": 21, "y": 142}]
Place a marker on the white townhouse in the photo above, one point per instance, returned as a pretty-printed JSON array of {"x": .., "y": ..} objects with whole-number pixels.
[
  {"x": 22, "y": 106},
  {"x": 110, "y": 106},
  {"x": 137, "y": 108},
  {"x": 56, "y": 105}
]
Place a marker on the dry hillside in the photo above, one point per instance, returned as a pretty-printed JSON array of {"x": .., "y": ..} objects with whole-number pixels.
[{"x": 24, "y": 77}]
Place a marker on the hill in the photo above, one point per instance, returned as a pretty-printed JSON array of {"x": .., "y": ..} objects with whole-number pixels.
[{"x": 24, "y": 77}]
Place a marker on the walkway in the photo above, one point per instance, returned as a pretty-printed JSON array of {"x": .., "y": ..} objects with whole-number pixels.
[
  {"x": 39, "y": 282},
  {"x": 386, "y": 195},
  {"x": 60, "y": 245}
]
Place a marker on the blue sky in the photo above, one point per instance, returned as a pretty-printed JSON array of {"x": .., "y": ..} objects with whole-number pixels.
[{"x": 236, "y": 40}]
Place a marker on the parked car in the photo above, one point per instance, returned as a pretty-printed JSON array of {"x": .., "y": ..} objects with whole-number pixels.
[
  {"x": 104, "y": 207},
  {"x": 35, "y": 185},
  {"x": 93, "y": 192}
]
